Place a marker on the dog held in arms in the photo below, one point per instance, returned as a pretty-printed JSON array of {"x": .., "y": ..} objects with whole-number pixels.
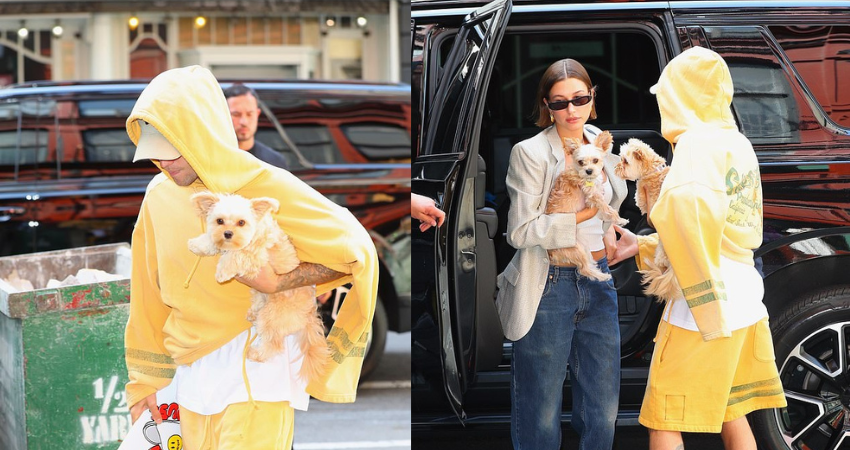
[
  {"x": 580, "y": 182},
  {"x": 246, "y": 235},
  {"x": 640, "y": 163}
]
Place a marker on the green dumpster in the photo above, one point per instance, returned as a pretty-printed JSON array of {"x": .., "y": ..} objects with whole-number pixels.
[{"x": 62, "y": 371}]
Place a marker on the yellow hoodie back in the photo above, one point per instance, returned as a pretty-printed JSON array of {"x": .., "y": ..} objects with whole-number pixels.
[
  {"x": 178, "y": 312},
  {"x": 711, "y": 201}
]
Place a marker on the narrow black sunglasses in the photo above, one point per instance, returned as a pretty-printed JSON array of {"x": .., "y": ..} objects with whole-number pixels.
[{"x": 578, "y": 101}]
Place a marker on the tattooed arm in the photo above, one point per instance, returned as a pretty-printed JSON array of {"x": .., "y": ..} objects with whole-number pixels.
[{"x": 304, "y": 275}]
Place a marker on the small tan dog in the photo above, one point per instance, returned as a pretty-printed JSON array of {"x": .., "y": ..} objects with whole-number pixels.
[
  {"x": 640, "y": 163},
  {"x": 579, "y": 181},
  {"x": 246, "y": 235}
]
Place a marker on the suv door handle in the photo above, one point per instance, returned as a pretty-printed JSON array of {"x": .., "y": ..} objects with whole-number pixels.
[{"x": 6, "y": 212}]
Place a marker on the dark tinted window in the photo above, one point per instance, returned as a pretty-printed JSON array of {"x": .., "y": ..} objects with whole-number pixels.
[
  {"x": 106, "y": 108},
  {"x": 108, "y": 145},
  {"x": 378, "y": 141},
  {"x": 622, "y": 65},
  {"x": 821, "y": 55},
  {"x": 33, "y": 147},
  {"x": 766, "y": 107},
  {"x": 314, "y": 142}
]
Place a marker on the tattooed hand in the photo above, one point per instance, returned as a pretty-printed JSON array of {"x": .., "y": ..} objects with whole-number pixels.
[{"x": 305, "y": 274}]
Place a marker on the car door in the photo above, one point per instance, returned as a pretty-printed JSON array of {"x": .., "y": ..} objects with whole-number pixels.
[{"x": 446, "y": 169}]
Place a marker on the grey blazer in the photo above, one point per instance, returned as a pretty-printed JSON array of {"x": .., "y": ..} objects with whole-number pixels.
[{"x": 532, "y": 171}]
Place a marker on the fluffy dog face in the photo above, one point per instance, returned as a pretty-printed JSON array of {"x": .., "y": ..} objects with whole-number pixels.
[
  {"x": 232, "y": 220},
  {"x": 637, "y": 159},
  {"x": 589, "y": 159}
]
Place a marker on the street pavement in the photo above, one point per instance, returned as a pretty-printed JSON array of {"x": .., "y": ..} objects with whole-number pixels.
[{"x": 379, "y": 419}]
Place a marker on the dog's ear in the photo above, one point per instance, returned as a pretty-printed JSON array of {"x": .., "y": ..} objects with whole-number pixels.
[
  {"x": 571, "y": 145},
  {"x": 203, "y": 202},
  {"x": 263, "y": 205},
  {"x": 637, "y": 155},
  {"x": 605, "y": 141}
]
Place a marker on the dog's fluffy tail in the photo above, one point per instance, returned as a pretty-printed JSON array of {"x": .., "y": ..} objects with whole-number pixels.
[
  {"x": 660, "y": 282},
  {"x": 315, "y": 349}
]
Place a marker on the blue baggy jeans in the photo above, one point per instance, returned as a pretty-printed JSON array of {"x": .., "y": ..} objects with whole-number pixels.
[{"x": 576, "y": 323}]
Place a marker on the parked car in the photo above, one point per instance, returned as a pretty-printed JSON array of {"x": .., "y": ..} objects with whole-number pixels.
[
  {"x": 475, "y": 72},
  {"x": 67, "y": 177}
]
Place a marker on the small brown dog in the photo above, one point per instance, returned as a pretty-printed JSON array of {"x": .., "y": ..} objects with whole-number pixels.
[
  {"x": 578, "y": 182},
  {"x": 246, "y": 235},
  {"x": 640, "y": 163}
]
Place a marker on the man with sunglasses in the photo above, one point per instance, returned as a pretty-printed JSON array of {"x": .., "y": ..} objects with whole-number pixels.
[{"x": 556, "y": 317}]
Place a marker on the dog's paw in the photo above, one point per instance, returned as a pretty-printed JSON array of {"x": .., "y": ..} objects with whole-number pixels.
[
  {"x": 222, "y": 275},
  {"x": 256, "y": 355},
  {"x": 622, "y": 222},
  {"x": 202, "y": 246}
]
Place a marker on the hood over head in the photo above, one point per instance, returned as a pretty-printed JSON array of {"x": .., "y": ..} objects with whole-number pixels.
[
  {"x": 187, "y": 106},
  {"x": 695, "y": 89}
]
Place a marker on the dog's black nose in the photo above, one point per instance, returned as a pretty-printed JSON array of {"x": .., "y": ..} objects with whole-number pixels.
[
  {"x": 228, "y": 234},
  {"x": 589, "y": 171}
]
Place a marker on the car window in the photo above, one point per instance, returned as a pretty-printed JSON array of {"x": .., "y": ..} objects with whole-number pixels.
[
  {"x": 821, "y": 55},
  {"x": 33, "y": 147},
  {"x": 314, "y": 142},
  {"x": 106, "y": 108},
  {"x": 622, "y": 64},
  {"x": 30, "y": 146},
  {"x": 767, "y": 110},
  {"x": 108, "y": 145},
  {"x": 377, "y": 141}
]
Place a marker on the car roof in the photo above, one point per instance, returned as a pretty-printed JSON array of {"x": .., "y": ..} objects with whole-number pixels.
[
  {"x": 429, "y": 4},
  {"x": 134, "y": 87}
]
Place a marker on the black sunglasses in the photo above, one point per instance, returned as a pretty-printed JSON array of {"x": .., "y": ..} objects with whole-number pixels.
[{"x": 563, "y": 104}]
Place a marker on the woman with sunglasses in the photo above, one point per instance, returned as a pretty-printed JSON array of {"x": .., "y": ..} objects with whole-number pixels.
[{"x": 558, "y": 319}]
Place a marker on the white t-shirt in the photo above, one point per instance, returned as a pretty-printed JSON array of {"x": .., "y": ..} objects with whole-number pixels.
[
  {"x": 589, "y": 233},
  {"x": 744, "y": 293},
  {"x": 213, "y": 382}
]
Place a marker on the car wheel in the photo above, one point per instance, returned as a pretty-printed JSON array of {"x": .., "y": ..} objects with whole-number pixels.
[
  {"x": 328, "y": 310},
  {"x": 811, "y": 345}
]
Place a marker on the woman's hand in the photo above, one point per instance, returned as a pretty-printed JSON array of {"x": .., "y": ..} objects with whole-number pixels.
[
  {"x": 148, "y": 402},
  {"x": 610, "y": 241},
  {"x": 627, "y": 246}
]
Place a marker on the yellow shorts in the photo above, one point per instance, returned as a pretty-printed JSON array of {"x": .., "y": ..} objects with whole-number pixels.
[
  {"x": 240, "y": 426},
  {"x": 695, "y": 385}
]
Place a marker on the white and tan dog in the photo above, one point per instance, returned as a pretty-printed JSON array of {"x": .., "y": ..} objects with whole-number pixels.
[
  {"x": 578, "y": 184},
  {"x": 640, "y": 163},
  {"x": 246, "y": 235}
]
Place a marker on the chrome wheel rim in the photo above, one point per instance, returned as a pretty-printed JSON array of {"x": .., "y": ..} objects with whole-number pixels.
[{"x": 817, "y": 387}]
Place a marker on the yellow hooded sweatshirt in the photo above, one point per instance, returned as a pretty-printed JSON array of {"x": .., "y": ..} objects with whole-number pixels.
[
  {"x": 178, "y": 312},
  {"x": 711, "y": 201}
]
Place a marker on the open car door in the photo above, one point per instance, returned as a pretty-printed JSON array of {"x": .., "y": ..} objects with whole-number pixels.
[{"x": 446, "y": 169}]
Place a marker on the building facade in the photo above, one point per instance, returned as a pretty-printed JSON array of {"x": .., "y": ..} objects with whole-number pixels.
[{"x": 246, "y": 39}]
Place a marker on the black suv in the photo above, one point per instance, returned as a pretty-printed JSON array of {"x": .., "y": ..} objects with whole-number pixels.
[
  {"x": 475, "y": 73},
  {"x": 67, "y": 180}
]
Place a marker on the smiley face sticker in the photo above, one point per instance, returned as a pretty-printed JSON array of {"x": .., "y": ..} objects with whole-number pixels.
[{"x": 175, "y": 442}]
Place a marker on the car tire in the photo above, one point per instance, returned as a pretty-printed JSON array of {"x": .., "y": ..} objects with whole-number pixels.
[
  {"x": 377, "y": 340},
  {"x": 811, "y": 340}
]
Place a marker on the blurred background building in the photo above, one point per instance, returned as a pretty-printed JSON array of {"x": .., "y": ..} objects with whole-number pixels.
[{"x": 246, "y": 39}]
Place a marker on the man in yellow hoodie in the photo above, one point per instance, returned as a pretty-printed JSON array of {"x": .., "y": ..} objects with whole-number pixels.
[
  {"x": 186, "y": 327},
  {"x": 713, "y": 361}
]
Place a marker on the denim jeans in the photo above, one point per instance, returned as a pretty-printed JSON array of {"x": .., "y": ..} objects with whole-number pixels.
[{"x": 576, "y": 323}]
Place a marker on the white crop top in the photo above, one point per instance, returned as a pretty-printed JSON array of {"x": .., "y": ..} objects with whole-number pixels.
[{"x": 589, "y": 233}]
